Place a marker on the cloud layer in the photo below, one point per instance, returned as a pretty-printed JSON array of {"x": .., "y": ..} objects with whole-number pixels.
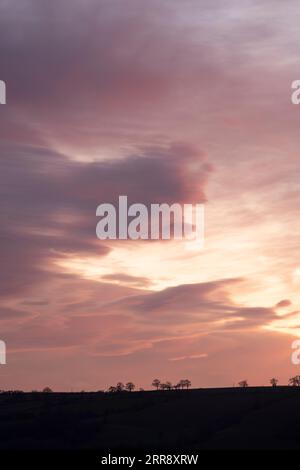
[{"x": 164, "y": 102}]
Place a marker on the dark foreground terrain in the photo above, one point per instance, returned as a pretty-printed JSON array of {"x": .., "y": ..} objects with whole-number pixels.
[{"x": 259, "y": 418}]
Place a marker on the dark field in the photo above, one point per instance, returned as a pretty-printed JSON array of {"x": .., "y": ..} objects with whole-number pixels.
[{"x": 258, "y": 418}]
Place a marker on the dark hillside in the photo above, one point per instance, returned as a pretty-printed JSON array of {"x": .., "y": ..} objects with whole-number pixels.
[{"x": 189, "y": 419}]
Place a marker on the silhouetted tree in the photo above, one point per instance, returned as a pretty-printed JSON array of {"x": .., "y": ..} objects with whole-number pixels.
[
  {"x": 162, "y": 386},
  {"x": 120, "y": 387},
  {"x": 274, "y": 382},
  {"x": 47, "y": 390},
  {"x": 243, "y": 384},
  {"x": 130, "y": 386},
  {"x": 112, "y": 389},
  {"x": 295, "y": 381},
  {"x": 184, "y": 383},
  {"x": 187, "y": 383},
  {"x": 168, "y": 385},
  {"x": 156, "y": 383},
  {"x": 181, "y": 384}
]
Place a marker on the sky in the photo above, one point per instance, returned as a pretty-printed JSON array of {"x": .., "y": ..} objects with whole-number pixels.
[{"x": 162, "y": 101}]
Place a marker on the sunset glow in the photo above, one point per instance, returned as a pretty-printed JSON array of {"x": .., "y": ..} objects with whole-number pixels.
[{"x": 164, "y": 102}]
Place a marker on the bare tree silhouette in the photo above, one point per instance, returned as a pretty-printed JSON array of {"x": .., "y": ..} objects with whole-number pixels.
[
  {"x": 243, "y": 384},
  {"x": 187, "y": 383},
  {"x": 163, "y": 386},
  {"x": 112, "y": 389},
  {"x": 181, "y": 383},
  {"x": 47, "y": 390},
  {"x": 184, "y": 383},
  {"x": 130, "y": 386},
  {"x": 120, "y": 387},
  {"x": 274, "y": 382},
  {"x": 295, "y": 381},
  {"x": 156, "y": 383},
  {"x": 168, "y": 385}
]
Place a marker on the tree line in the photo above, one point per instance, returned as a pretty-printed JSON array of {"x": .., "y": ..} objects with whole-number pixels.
[
  {"x": 130, "y": 386},
  {"x": 158, "y": 385},
  {"x": 186, "y": 384},
  {"x": 293, "y": 381}
]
